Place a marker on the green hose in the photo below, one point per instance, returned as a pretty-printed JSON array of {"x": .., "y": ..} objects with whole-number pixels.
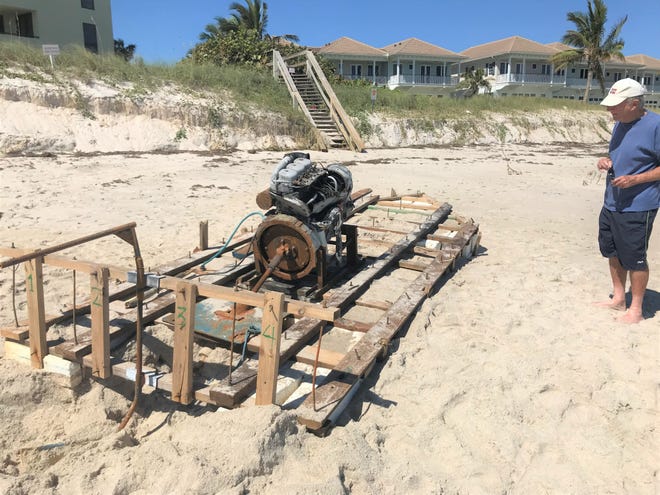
[{"x": 222, "y": 249}]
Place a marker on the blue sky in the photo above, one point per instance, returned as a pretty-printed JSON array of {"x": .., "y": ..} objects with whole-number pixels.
[{"x": 164, "y": 30}]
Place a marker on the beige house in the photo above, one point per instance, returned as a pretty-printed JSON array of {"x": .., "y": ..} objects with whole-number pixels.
[
  {"x": 413, "y": 65},
  {"x": 521, "y": 67},
  {"x": 513, "y": 66},
  {"x": 86, "y": 23}
]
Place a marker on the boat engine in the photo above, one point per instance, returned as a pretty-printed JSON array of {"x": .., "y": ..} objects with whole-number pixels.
[{"x": 307, "y": 204}]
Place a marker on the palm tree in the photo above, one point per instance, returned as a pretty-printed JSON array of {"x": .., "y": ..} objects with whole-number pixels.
[
  {"x": 474, "y": 80},
  {"x": 251, "y": 16},
  {"x": 589, "y": 43}
]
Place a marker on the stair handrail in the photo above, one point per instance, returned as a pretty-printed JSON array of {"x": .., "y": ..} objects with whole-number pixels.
[
  {"x": 281, "y": 69},
  {"x": 337, "y": 112}
]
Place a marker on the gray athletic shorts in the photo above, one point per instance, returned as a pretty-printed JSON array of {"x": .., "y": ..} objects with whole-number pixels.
[{"x": 625, "y": 234}]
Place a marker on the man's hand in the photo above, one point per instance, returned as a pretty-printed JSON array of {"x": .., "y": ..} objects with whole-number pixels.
[
  {"x": 604, "y": 163},
  {"x": 625, "y": 181}
]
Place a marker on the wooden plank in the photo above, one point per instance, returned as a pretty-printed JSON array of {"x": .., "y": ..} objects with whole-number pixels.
[
  {"x": 327, "y": 358},
  {"x": 269, "y": 352},
  {"x": 36, "y": 312},
  {"x": 413, "y": 205},
  {"x": 19, "y": 334},
  {"x": 184, "y": 329},
  {"x": 100, "y": 314},
  {"x": 417, "y": 266},
  {"x": 352, "y": 325},
  {"x": 370, "y": 303}
]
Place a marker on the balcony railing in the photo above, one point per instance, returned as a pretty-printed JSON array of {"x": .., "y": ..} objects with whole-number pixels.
[
  {"x": 530, "y": 79},
  {"x": 409, "y": 80},
  {"x": 380, "y": 80}
]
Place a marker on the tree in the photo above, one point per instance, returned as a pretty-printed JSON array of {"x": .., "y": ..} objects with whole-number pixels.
[
  {"x": 125, "y": 52},
  {"x": 251, "y": 16},
  {"x": 589, "y": 43},
  {"x": 474, "y": 80}
]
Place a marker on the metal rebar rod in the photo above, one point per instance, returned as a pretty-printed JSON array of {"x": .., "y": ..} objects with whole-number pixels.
[{"x": 73, "y": 312}]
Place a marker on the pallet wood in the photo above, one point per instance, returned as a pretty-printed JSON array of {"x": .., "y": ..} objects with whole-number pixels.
[
  {"x": 358, "y": 362},
  {"x": 351, "y": 291},
  {"x": 71, "y": 374},
  {"x": 229, "y": 394}
]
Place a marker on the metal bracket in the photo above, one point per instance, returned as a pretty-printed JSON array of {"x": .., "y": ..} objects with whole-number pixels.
[{"x": 151, "y": 279}]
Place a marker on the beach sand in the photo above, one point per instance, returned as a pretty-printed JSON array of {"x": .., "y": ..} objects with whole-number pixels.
[{"x": 508, "y": 380}]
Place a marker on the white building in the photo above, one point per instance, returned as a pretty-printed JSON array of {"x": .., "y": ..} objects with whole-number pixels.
[{"x": 87, "y": 23}]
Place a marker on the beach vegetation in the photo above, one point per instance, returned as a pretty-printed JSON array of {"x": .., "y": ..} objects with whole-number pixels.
[{"x": 473, "y": 81}]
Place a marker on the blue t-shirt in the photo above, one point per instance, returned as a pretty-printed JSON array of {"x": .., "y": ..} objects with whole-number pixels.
[{"x": 634, "y": 149}]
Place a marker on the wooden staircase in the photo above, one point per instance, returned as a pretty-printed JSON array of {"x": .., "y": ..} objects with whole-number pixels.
[
  {"x": 321, "y": 118},
  {"x": 312, "y": 93}
]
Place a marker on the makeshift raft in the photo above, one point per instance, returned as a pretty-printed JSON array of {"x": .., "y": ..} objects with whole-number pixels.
[{"x": 306, "y": 355}]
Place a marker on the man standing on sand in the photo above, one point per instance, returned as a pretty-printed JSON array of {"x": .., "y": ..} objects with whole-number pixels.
[{"x": 632, "y": 194}]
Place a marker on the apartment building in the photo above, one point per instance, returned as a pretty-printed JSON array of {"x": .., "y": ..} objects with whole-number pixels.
[
  {"x": 513, "y": 66},
  {"x": 87, "y": 23}
]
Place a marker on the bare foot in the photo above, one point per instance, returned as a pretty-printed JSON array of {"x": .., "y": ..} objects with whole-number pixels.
[
  {"x": 630, "y": 317},
  {"x": 611, "y": 305}
]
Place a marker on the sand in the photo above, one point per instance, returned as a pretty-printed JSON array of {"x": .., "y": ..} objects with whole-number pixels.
[{"x": 508, "y": 380}]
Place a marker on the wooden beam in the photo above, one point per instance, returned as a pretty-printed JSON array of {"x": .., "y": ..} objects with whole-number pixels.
[
  {"x": 184, "y": 328},
  {"x": 269, "y": 353},
  {"x": 36, "y": 313},
  {"x": 352, "y": 325},
  {"x": 203, "y": 235},
  {"x": 327, "y": 358},
  {"x": 19, "y": 334},
  {"x": 297, "y": 308},
  {"x": 366, "y": 303},
  {"x": 417, "y": 266},
  {"x": 407, "y": 204},
  {"x": 100, "y": 314}
]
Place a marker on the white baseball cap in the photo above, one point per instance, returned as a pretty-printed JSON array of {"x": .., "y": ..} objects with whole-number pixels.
[{"x": 622, "y": 89}]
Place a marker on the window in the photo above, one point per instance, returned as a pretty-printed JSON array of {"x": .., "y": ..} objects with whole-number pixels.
[
  {"x": 394, "y": 69},
  {"x": 440, "y": 71},
  {"x": 87, "y": 4},
  {"x": 410, "y": 67},
  {"x": 545, "y": 69},
  {"x": 2, "y": 24},
  {"x": 560, "y": 72},
  {"x": 617, "y": 76},
  {"x": 519, "y": 68},
  {"x": 89, "y": 36},
  {"x": 25, "y": 25},
  {"x": 424, "y": 70},
  {"x": 504, "y": 68},
  {"x": 356, "y": 70},
  {"x": 585, "y": 72}
]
